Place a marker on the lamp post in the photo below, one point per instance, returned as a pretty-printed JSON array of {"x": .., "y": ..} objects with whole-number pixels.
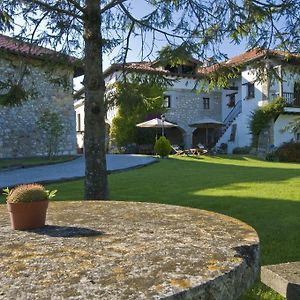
[{"x": 163, "y": 118}]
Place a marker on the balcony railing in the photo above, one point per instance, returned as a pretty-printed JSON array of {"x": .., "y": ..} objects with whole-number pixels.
[{"x": 292, "y": 99}]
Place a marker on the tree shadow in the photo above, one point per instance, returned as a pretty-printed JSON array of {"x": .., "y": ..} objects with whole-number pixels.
[
  {"x": 66, "y": 231},
  {"x": 230, "y": 189}
]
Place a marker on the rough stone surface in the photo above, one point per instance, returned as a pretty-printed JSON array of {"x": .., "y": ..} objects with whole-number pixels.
[
  {"x": 188, "y": 108},
  {"x": 283, "y": 278},
  {"x": 122, "y": 250},
  {"x": 19, "y": 135}
]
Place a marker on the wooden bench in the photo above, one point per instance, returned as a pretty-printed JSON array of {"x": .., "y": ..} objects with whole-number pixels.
[{"x": 283, "y": 278}]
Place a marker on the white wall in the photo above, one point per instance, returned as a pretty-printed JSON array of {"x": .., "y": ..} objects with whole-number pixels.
[{"x": 281, "y": 136}]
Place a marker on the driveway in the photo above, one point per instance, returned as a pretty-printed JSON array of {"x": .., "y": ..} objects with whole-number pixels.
[{"x": 69, "y": 170}]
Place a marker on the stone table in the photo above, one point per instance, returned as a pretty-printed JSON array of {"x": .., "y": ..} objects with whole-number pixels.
[{"x": 123, "y": 250}]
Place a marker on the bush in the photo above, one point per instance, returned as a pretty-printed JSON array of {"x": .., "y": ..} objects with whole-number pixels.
[
  {"x": 288, "y": 152},
  {"x": 162, "y": 147},
  {"x": 241, "y": 150},
  {"x": 271, "y": 156},
  {"x": 51, "y": 126}
]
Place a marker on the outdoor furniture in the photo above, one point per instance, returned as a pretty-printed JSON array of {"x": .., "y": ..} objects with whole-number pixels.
[
  {"x": 199, "y": 150},
  {"x": 178, "y": 150}
]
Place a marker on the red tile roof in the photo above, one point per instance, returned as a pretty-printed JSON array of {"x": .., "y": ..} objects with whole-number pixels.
[
  {"x": 136, "y": 67},
  {"x": 241, "y": 59},
  {"x": 18, "y": 47},
  {"x": 248, "y": 57}
]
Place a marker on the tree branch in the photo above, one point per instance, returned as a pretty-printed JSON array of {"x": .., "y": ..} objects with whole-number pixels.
[
  {"x": 77, "y": 5},
  {"x": 111, "y": 4},
  {"x": 133, "y": 19},
  {"x": 55, "y": 8}
]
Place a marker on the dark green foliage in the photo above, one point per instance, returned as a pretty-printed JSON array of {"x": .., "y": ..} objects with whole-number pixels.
[
  {"x": 27, "y": 193},
  {"x": 15, "y": 95},
  {"x": 170, "y": 55},
  {"x": 51, "y": 127},
  {"x": 271, "y": 156},
  {"x": 135, "y": 101},
  {"x": 241, "y": 150},
  {"x": 288, "y": 152},
  {"x": 262, "y": 117},
  {"x": 162, "y": 147}
]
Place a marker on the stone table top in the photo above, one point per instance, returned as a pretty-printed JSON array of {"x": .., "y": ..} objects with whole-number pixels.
[{"x": 124, "y": 250}]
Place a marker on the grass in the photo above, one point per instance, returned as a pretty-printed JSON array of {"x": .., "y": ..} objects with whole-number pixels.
[
  {"x": 265, "y": 195},
  {"x": 29, "y": 162}
]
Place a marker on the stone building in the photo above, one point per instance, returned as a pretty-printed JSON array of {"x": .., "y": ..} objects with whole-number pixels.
[
  {"x": 45, "y": 78},
  {"x": 221, "y": 116}
]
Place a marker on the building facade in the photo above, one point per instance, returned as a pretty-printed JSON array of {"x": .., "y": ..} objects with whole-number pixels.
[
  {"x": 222, "y": 115},
  {"x": 48, "y": 84}
]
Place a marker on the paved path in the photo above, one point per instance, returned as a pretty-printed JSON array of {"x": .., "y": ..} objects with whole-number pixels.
[{"x": 69, "y": 170}]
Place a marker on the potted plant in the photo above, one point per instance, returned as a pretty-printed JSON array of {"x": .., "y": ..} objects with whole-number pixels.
[{"x": 27, "y": 205}]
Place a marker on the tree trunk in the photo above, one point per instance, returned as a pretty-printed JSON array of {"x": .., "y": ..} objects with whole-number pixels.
[{"x": 96, "y": 186}]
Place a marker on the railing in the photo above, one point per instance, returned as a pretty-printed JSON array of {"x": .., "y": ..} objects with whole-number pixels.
[
  {"x": 292, "y": 99},
  {"x": 233, "y": 114}
]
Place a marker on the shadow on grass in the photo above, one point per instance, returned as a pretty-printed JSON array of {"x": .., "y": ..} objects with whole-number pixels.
[{"x": 263, "y": 197}]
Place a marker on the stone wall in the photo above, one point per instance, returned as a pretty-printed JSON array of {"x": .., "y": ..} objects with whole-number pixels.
[
  {"x": 188, "y": 109},
  {"x": 19, "y": 135}
]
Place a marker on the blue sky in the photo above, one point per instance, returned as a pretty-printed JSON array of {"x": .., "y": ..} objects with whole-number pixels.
[{"x": 133, "y": 54}]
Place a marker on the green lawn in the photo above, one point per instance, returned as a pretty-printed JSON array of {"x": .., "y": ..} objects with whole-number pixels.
[{"x": 265, "y": 195}]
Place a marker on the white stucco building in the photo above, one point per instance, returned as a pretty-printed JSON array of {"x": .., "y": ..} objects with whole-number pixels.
[{"x": 198, "y": 114}]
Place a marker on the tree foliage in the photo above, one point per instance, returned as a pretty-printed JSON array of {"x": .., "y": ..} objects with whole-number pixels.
[
  {"x": 262, "y": 117},
  {"x": 96, "y": 27},
  {"x": 134, "y": 100}
]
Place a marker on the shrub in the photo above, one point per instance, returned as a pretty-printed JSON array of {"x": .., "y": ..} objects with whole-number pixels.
[
  {"x": 52, "y": 129},
  {"x": 288, "y": 152},
  {"x": 28, "y": 193},
  {"x": 271, "y": 156},
  {"x": 241, "y": 150},
  {"x": 162, "y": 147}
]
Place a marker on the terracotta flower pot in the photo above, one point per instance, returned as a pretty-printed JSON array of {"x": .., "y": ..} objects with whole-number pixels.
[{"x": 28, "y": 215}]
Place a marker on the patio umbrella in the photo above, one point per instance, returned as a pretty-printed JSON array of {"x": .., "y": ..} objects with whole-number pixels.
[
  {"x": 207, "y": 123},
  {"x": 157, "y": 123}
]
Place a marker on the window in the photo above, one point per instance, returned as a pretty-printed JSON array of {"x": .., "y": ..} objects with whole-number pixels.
[
  {"x": 250, "y": 91},
  {"x": 167, "y": 101},
  {"x": 78, "y": 122},
  {"x": 231, "y": 101},
  {"x": 205, "y": 103}
]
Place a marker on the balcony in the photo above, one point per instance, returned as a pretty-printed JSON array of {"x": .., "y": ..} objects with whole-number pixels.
[{"x": 292, "y": 99}]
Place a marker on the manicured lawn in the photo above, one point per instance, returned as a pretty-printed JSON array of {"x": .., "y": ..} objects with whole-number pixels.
[
  {"x": 265, "y": 195},
  {"x": 27, "y": 162}
]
